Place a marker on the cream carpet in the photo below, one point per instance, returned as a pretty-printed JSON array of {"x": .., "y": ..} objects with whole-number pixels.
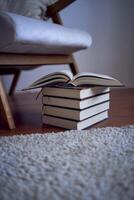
[{"x": 97, "y": 164}]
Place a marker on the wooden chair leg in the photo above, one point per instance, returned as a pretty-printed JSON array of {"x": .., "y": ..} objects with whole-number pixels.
[
  {"x": 5, "y": 107},
  {"x": 14, "y": 82},
  {"x": 57, "y": 20},
  {"x": 74, "y": 67}
]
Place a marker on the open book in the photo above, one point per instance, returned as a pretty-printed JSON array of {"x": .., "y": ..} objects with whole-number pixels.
[{"x": 81, "y": 79}]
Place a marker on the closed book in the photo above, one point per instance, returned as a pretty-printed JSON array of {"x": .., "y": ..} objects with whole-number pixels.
[
  {"x": 75, "y": 103},
  {"x": 72, "y": 124},
  {"x": 75, "y": 114},
  {"x": 74, "y": 92}
]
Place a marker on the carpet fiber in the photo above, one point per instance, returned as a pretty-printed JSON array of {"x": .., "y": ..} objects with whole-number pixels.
[{"x": 87, "y": 165}]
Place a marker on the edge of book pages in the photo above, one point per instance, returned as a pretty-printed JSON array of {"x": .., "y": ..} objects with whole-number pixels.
[
  {"x": 75, "y": 93},
  {"x": 75, "y": 103},
  {"x": 67, "y": 124},
  {"x": 75, "y": 114}
]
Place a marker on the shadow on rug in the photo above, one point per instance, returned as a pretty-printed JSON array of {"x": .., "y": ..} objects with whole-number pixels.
[{"x": 86, "y": 165}]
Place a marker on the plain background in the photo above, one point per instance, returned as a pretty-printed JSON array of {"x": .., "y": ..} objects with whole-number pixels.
[{"x": 111, "y": 25}]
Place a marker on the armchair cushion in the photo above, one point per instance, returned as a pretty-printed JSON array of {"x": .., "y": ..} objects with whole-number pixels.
[
  {"x": 21, "y": 34},
  {"x": 31, "y": 8}
]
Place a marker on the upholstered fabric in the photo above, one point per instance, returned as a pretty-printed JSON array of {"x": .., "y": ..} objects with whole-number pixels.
[
  {"x": 31, "y": 8},
  {"x": 19, "y": 34}
]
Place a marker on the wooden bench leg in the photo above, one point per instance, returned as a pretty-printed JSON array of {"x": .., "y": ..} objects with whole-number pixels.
[
  {"x": 5, "y": 107},
  {"x": 14, "y": 82}
]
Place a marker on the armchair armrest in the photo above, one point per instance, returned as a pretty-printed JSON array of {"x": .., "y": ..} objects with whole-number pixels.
[{"x": 57, "y": 7}]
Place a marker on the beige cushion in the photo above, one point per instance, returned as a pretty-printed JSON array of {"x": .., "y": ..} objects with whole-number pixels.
[{"x": 21, "y": 34}]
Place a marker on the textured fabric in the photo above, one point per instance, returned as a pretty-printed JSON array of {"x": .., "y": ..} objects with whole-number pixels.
[
  {"x": 31, "y": 8},
  {"x": 21, "y": 34},
  {"x": 97, "y": 164}
]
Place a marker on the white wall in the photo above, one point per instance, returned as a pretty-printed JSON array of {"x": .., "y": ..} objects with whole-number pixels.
[{"x": 111, "y": 25}]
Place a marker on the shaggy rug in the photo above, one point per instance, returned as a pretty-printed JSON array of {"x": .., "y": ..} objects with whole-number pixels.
[{"x": 83, "y": 165}]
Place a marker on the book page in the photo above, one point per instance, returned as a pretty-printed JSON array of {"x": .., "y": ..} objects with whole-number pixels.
[
  {"x": 90, "y": 74},
  {"x": 86, "y": 78},
  {"x": 55, "y": 77}
]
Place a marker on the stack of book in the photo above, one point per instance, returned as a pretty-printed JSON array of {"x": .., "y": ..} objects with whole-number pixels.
[
  {"x": 68, "y": 105},
  {"x": 75, "y": 107}
]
